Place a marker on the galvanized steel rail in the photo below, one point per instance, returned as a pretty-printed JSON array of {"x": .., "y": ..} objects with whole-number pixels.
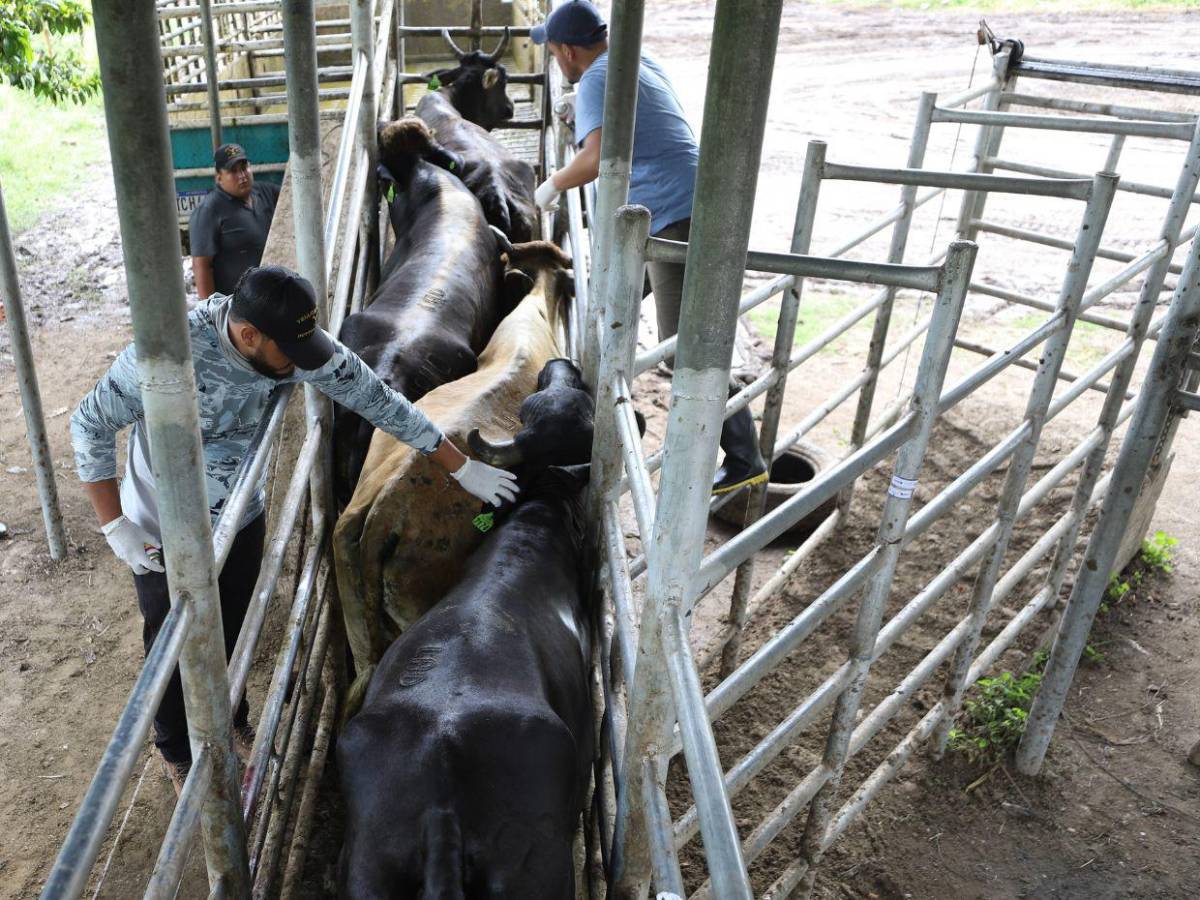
[{"x": 671, "y": 532}]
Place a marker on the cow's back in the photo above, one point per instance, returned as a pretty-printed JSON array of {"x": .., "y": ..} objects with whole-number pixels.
[
  {"x": 437, "y": 305},
  {"x": 503, "y": 183},
  {"x": 400, "y": 543},
  {"x": 463, "y": 769}
]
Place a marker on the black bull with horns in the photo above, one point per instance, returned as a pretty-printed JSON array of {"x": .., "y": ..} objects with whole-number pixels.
[
  {"x": 466, "y": 770},
  {"x": 471, "y": 100}
]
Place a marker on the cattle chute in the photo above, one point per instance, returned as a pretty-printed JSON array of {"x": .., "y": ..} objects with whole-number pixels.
[{"x": 638, "y": 738}]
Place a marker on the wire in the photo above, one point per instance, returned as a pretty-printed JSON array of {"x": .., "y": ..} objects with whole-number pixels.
[{"x": 937, "y": 222}]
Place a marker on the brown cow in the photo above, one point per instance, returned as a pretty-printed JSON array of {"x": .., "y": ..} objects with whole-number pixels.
[{"x": 399, "y": 545}]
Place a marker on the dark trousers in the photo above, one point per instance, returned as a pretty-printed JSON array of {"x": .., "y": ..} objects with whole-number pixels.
[
  {"x": 666, "y": 280},
  {"x": 236, "y": 585}
]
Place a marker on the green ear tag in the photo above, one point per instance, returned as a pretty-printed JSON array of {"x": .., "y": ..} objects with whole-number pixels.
[
  {"x": 434, "y": 83},
  {"x": 391, "y": 193},
  {"x": 484, "y": 521}
]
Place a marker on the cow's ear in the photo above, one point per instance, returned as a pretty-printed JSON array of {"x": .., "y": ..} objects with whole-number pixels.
[
  {"x": 579, "y": 473},
  {"x": 641, "y": 423},
  {"x": 491, "y": 78},
  {"x": 516, "y": 288}
]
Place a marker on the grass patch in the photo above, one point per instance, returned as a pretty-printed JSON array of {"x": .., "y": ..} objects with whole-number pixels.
[
  {"x": 43, "y": 166},
  {"x": 50, "y": 160},
  {"x": 817, "y": 312}
]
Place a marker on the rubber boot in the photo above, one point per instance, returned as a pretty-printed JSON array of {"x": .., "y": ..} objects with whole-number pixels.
[{"x": 743, "y": 464}]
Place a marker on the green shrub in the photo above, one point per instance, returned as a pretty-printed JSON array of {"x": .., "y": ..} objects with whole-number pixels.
[{"x": 994, "y": 720}]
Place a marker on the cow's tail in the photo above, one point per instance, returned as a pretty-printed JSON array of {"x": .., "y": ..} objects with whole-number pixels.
[{"x": 443, "y": 875}]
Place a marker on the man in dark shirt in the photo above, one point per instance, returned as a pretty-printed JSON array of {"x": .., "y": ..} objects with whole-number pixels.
[{"x": 228, "y": 230}]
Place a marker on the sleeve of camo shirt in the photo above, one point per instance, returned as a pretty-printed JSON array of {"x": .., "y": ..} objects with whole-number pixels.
[
  {"x": 113, "y": 404},
  {"x": 351, "y": 382}
]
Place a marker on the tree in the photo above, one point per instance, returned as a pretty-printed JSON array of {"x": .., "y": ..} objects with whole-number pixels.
[{"x": 28, "y": 58}]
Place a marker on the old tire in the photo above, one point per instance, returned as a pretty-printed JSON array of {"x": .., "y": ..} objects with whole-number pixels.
[{"x": 790, "y": 474}]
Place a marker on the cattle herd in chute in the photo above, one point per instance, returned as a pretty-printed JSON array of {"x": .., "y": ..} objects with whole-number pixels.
[{"x": 467, "y": 730}]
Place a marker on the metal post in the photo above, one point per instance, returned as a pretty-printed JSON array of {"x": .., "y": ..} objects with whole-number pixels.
[
  {"x": 883, "y": 318},
  {"x": 616, "y": 156},
  {"x": 212, "y": 76},
  {"x": 31, "y": 397},
  {"x": 362, "y": 28},
  {"x": 987, "y": 144},
  {"x": 304, "y": 169},
  {"x": 135, "y": 105},
  {"x": 1144, "y": 442},
  {"x": 476, "y": 24},
  {"x": 619, "y": 326},
  {"x": 1137, "y": 452},
  {"x": 735, "y": 111},
  {"x": 1079, "y": 269},
  {"x": 401, "y": 58},
  {"x": 1185, "y": 187},
  {"x": 789, "y": 308},
  {"x": 931, "y": 374}
]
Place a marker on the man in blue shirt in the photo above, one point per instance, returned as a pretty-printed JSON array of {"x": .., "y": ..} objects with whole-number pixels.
[{"x": 662, "y": 179}]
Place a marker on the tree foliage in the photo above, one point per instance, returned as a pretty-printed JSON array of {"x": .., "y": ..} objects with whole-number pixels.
[{"x": 29, "y": 58}]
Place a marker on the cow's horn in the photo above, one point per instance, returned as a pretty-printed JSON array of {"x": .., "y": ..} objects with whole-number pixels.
[
  {"x": 503, "y": 453},
  {"x": 459, "y": 53},
  {"x": 503, "y": 244},
  {"x": 501, "y": 47}
]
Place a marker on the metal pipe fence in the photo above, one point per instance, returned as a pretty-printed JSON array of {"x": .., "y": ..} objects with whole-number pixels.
[
  {"x": 277, "y": 748},
  {"x": 651, "y": 703},
  {"x": 658, "y": 635}
]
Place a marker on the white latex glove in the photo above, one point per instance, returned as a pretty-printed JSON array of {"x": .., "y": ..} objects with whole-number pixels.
[
  {"x": 565, "y": 109},
  {"x": 546, "y": 196},
  {"x": 133, "y": 546},
  {"x": 489, "y": 484}
]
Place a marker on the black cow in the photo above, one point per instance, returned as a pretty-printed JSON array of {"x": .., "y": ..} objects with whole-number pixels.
[
  {"x": 465, "y": 772},
  {"x": 471, "y": 101},
  {"x": 439, "y": 297}
]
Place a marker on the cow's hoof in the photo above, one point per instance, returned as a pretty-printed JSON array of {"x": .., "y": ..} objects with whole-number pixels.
[{"x": 790, "y": 474}]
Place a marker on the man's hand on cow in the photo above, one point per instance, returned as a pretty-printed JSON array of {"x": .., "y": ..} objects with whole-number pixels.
[
  {"x": 564, "y": 108},
  {"x": 489, "y": 484},
  {"x": 133, "y": 546},
  {"x": 546, "y": 196}
]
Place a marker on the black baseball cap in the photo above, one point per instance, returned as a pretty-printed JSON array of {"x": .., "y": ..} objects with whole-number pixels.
[
  {"x": 577, "y": 22},
  {"x": 228, "y": 155},
  {"x": 283, "y": 306}
]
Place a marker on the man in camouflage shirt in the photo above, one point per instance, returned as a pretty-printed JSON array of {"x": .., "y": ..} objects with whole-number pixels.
[{"x": 243, "y": 347}]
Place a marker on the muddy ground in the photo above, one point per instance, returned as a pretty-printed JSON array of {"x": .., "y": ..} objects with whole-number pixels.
[{"x": 1115, "y": 813}]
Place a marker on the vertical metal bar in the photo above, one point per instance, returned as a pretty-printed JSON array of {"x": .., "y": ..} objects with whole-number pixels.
[
  {"x": 212, "y": 75},
  {"x": 616, "y": 157},
  {"x": 362, "y": 30},
  {"x": 987, "y": 144},
  {"x": 135, "y": 107},
  {"x": 401, "y": 57},
  {"x": 1091, "y": 229},
  {"x": 931, "y": 374},
  {"x": 1150, "y": 421},
  {"x": 31, "y": 396},
  {"x": 1185, "y": 187},
  {"x": 619, "y": 317},
  {"x": 476, "y": 24},
  {"x": 739, "y": 79},
  {"x": 1170, "y": 355},
  {"x": 883, "y": 317},
  {"x": 789, "y": 308},
  {"x": 304, "y": 168}
]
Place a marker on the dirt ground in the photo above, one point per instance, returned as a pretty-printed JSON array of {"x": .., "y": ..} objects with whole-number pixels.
[{"x": 1115, "y": 813}]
